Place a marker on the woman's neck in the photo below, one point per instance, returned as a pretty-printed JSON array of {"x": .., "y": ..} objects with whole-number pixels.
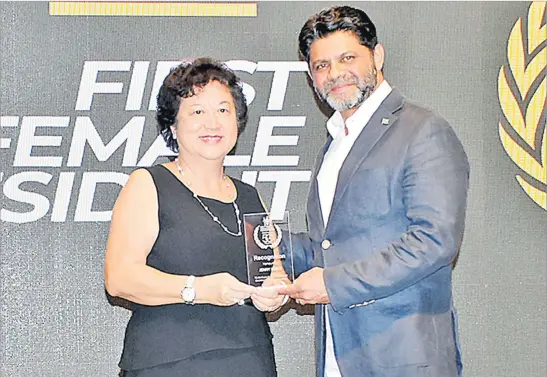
[{"x": 204, "y": 178}]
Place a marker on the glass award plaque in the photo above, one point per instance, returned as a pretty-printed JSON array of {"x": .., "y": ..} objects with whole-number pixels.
[{"x": 268, "y": 248}]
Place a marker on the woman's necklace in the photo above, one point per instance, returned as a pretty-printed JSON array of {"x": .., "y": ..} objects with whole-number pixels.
[{"x": 215, "y": 218}]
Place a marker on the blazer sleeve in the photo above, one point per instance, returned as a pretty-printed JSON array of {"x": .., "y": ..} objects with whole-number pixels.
[
  {"x": 435, "y": 180},
  {"x": 299, "y": 253}
]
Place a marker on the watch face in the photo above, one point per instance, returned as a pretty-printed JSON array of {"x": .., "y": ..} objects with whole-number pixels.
[{"x": 188, "y": 294}]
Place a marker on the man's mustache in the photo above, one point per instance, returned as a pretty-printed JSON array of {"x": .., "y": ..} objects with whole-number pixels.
[{"x": 348, "y": 79}]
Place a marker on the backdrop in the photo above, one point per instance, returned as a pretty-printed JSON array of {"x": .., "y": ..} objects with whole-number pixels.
[{"x": 78, "y": 85}]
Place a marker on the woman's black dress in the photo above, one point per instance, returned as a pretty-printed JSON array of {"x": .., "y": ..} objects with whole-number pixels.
[{"x": 198, "y": 340}]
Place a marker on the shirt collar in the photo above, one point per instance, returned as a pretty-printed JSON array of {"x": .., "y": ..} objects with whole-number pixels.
[{"x": 335, "y": 124}]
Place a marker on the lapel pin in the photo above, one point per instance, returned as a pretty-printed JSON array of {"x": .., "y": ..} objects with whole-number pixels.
[{"x": 385, "y": 121}]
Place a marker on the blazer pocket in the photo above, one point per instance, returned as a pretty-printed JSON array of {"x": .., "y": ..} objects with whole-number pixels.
[
  {"x": 369, "y": 193},
  {"x": 408, "y": 341}
]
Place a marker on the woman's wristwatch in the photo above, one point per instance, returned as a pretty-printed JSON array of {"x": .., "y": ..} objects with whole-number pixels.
[{"x": 188, "y": 293}]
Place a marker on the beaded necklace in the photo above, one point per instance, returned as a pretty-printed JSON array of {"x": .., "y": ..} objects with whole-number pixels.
[{"x": 213, "y": 217}]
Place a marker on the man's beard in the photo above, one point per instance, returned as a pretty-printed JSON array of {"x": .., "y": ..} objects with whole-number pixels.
[{"x": 345, "y": 102}]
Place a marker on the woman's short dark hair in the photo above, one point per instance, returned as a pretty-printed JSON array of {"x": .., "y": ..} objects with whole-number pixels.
[
  {"x": 183, "y": 81},
  {"x": 334, "y": 19}
]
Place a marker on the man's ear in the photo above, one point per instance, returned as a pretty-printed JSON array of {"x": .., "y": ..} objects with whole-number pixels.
[
  {"x": 309, "y": 70},
  {"x": 379, "y": 54}
]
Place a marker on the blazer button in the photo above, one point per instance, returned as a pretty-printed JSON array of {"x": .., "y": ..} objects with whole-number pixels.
[{"x": 325, "y": 244}]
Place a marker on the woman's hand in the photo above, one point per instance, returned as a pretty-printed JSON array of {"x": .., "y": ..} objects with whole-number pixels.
[
  {"x": 267, "y": 298},
  {"x": 221, "y": 289}
]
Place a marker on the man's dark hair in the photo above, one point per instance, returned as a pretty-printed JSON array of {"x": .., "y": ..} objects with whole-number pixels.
[
  {"x": 334, "y": 19},
  {"x": 183, "y": 81}
]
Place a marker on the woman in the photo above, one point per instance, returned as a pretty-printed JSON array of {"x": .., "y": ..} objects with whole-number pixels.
[{"x": 176, "y": 248}]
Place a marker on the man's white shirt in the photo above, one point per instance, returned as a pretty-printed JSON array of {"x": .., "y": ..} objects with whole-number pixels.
[{"x": 327, "y": 178}]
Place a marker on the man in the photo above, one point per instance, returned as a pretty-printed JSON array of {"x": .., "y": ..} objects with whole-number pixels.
[{"x": 385, "y": 215}]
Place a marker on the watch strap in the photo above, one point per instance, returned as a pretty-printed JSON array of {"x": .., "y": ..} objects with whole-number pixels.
[{"x": 190, "y": 281}]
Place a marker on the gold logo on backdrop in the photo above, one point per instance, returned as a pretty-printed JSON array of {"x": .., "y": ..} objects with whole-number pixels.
[{"x": 522, "y": 90}]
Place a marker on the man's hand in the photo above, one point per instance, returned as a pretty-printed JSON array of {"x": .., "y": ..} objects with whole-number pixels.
[{"x": 309, "y": 288}]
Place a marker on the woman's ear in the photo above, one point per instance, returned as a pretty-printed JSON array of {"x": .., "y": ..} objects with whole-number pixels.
[{"x": 174, "y": 132}]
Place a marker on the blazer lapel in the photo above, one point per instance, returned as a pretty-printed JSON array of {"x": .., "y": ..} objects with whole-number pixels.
[
  {"x": 315, "y": 215},
  {"x": 378, "y": 124}
]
